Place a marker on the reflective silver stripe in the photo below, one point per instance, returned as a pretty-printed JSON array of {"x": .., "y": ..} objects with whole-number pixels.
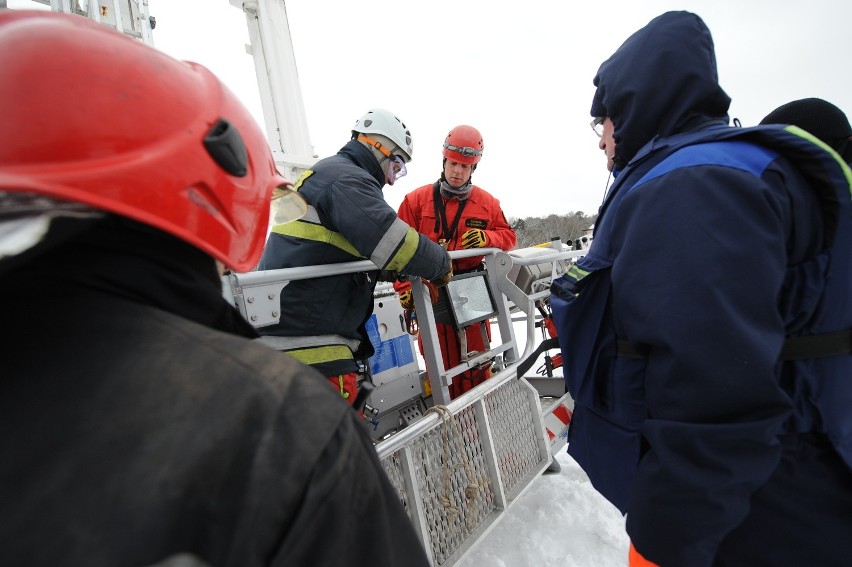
[
  {"x": 389, "y": 243},
  {"x": 405, "y": 252},
  {"x": 292, "y": 343}
]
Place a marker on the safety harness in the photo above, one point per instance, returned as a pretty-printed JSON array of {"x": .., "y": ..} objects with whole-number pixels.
[{"x": 447, "y": 233}]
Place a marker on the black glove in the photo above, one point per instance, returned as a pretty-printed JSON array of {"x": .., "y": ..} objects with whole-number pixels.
[
  {"x": 387, "y": 276},
  {"x": 443, "y": 280}
]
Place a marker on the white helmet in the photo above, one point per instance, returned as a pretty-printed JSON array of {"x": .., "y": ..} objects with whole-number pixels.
[{"x": 383, "y": 123}]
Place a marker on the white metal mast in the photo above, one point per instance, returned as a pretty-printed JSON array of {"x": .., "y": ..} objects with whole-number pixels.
[
  {"x": 274, "y": 60},
  {"x": 127, "y": 16},
  {"x": 278, "y": 80}
]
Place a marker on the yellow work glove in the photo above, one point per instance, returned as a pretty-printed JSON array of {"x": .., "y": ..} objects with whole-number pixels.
[
  {"x": 406, "y": 299},
  {"x": 474, "y": 238},
  {"x": 387, "y": 276}
]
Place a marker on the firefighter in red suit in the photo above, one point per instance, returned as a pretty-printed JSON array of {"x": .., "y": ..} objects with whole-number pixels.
[{"x": 459, "y": 215}]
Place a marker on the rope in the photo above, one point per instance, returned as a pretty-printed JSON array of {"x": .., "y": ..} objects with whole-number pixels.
[{"x": 473, "y": 486}]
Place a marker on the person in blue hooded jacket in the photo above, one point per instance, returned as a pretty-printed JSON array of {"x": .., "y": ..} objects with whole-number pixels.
[{"x": 706, "y": 335}]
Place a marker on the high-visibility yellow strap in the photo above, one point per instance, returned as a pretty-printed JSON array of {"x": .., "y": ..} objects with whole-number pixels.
[
  {"x": 343, "y": 391},
  {"x": 318, "y": 355},
  {"x": 317, "y": 233}
]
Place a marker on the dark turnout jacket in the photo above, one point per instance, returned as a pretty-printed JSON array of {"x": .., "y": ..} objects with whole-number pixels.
[
  {"x": 139, "y": 422},
  {"x": 323, "y": 319},
  {"x": 698, "y": 412}
]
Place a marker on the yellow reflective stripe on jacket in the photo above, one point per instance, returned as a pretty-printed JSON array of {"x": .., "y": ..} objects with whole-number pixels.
[
  {"x": 305, "y": 174},
  {"x": 577, "y": 273},
  {"x": 318, "y": 355},
  {"x": 406, "y": 252},
  {"x": 317, "y": 233}
]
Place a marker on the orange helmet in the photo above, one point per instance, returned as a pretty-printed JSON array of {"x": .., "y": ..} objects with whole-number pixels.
[
  {"x": 90, "y": 115},
  {"x": 464, "y": 145}
]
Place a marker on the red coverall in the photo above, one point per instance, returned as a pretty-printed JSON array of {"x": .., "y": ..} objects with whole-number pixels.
[{"x": 482, "y": 211}]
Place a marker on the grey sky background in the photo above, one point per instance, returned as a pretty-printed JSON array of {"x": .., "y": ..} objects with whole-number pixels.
[{"x": 520, "y": 72}]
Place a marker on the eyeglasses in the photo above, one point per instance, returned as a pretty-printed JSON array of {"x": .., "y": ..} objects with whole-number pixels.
[
  {"x": 597, "y": 125},
  {"x": 467, "y": 152}
]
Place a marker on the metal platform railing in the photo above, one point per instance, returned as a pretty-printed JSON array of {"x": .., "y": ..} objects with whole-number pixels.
[{"x": 458, "y": 467}]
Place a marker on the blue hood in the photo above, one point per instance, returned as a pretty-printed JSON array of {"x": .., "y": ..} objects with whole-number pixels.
[{"x": 661, "y": 81}]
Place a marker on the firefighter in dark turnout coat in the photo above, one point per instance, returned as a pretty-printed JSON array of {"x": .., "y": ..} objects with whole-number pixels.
[
  {"x": 324, "y": 319},
  {"x": 707, "y": 333},
  {"x": 139, "y": 421}
]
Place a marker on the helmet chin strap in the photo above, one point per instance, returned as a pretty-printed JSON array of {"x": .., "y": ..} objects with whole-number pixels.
[{"x": 381, "y": 152}]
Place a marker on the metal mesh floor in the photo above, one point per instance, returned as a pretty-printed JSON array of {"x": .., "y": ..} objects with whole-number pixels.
[{"x": 458, "y": 468}]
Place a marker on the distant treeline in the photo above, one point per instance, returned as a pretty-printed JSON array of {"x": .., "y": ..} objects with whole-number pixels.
[{"x": 538, "y": 230}]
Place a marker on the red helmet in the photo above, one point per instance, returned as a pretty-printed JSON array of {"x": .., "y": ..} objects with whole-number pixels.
[
  {"x": 90, "y": 115},
  {"x": 464, "y": 145}
]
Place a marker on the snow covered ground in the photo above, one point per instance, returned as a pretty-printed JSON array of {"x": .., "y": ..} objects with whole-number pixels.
[{"x": 559, "y": 521}]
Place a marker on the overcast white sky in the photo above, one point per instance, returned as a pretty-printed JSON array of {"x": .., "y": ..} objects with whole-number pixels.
[{"x": 521, "y": 72}]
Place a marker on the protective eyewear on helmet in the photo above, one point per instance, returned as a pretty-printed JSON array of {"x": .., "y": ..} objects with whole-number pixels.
[
  {"x": 467, "y": 152},
  {"x": 396, "y": 169},
  {"x": 597, "y": 125}
]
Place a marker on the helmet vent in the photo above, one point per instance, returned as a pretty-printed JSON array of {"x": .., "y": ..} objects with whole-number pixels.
[{"x": 226, "y": 147}]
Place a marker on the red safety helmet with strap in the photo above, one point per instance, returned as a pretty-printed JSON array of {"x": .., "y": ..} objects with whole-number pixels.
[
  {"x": 90, "y": 115},
  {"x": 464, "y": 145}
]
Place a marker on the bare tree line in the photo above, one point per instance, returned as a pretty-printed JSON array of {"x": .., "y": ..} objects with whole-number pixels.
[{"x": 539, "y": 230}]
